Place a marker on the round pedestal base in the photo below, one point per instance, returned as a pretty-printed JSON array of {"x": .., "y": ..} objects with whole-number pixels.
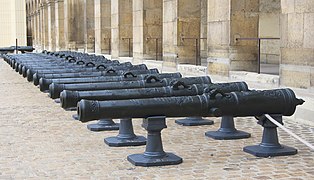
[
  {"x": 103, "y": 127},
  {"x": 194, "y": 121},
  {"x": 142, "y": 160},
  {"x": 119, "y": 142},
  {"x": 219, "y": 135},
  {"x": 261, "y": 151}
]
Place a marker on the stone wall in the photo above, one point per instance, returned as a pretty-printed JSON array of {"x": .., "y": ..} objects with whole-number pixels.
[
  {"x": 297, "y": 45},
  {"x": 130, "y": 28},
  {"x": 125, "y": 28},
  {"x": 147, "y": 22},
  {"x": 169, "y": 33},
  {"x": 152, "y": 28},
  {"x": 269, "y": 26},
  {"x": 103, "y": 26},
  {"x": 218, "y": 36},
  {"x": 59, "y": 25}
]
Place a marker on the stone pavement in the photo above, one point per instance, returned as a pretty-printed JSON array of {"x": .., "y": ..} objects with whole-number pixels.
[{"x": 39, "y": 140}]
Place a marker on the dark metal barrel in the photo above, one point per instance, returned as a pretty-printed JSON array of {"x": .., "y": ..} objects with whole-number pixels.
[
  {"x": 151, "y": 81},
  {"x": 87, "y": 67},
  {"x": 90, "y": 66},
  {"x": 110, "y": 72},
  {"x": 128, "y": 76},
  {"x": 69, "y": 99},
  {"x": 215, "y": 103}
]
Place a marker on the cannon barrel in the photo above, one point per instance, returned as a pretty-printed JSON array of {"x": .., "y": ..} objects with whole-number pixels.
[
  {"x": 69, "y": 99},
  {"x": 128, "y": 76},
  {"x": 29, "y": 72},
  {"x": 110, "y": 72},
  {"x": 90, "y": 66},
  {"x": 150, "y": 81},
  {"x": 215, "y": 103}
]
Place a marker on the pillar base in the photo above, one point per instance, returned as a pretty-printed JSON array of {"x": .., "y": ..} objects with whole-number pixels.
[
  {"x": 270, "y": 145},
  {"x": 227, "y": 131},
  {"x": 142, "y": 160},
  {"x": 261, "y": 151},
  {"x": 103, "y": 125},
  {"x": 154, "y": 154},
  {"x": 194, "y": 121},
  {"x": 126, "y": 136},
  {"x": 227, "y": 136},
  {"x": 120, "y": 142}
]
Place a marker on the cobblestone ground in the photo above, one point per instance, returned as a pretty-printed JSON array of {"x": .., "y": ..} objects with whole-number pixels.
[{"x": 39, "y": 140}]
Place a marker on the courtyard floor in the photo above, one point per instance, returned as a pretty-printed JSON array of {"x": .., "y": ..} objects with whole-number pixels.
[{"x": 39, "y": 140}]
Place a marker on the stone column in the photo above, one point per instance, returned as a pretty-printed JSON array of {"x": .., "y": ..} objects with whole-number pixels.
[
  {"x": 89, "y": 25},
  {"x": 228, "y": 20},
  {"x": 269, "y": 26},
  {"x": 181, "y": 19},
  {"x": 44, "y": 21},
  {"x": 203, "y": 33},
  {"x": 115, "y": 38},
  {"x": 138, "y": 27},
  {"x": 67, "y": 21},
  {"x": 147, "y": 23},
  {"x": 102, "y": 26},
  {"x": 34, "y": 34},
  {"x": 169, "y": 36},
  {"x": 38, "y": 29},
  {"x": 29, "y": 27},
  {"x": 59, "y": 26},
  {"x": 121, "y": 27},
  {"x": 42, "y": 26},
  {"x": 51, "y": 25},
  {"x": 74, "y": 24},
  {"x": 297, "y": 45},
  {"x": 78, "y": 31}
]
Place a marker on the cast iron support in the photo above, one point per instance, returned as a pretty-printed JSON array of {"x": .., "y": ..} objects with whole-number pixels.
[
  {"x": 194, "y": 121},
  {"x": 126, "y": 136},
  {"x": 154, "y": 154},
  {"x": 227, "y": 130},
  {"x": 270, "y": 145},
  {"x": 104, "y": 125}
]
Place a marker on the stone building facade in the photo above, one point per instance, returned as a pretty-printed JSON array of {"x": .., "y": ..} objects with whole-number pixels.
[
  {"x": 13, "y": 23},
  {"x": 198, "y": 32}
]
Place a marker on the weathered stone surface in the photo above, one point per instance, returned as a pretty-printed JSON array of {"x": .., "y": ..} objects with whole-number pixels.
[
  {"x": 308, "y": 30},
  {"x": 215, "y": 67},
  {"x": 51, "y": 26},
  {"x": 295, "y": 30},
  {"x": 304, "y": 6},
  {"x": 89, "y": 25},
  {"x": 295, "y": 76},
  {"x": 102, "y": 26},
  {"x": 59, "y": 27},
  {"x": 287, "y": 6},
  {"x": 219, "y": 22}
]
